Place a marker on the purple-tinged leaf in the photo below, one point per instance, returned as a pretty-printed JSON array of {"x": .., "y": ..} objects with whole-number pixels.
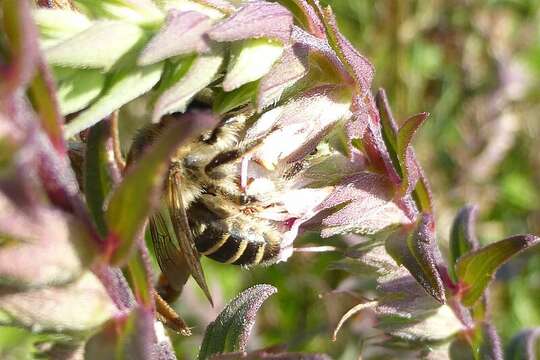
[
  {"x": 364, "y": 204},
  {"x": 79, "y": 306},
  {"x": 359, "y": 67},
  {"x": 476, "y": 269},
  {"x": 293, "y": 130},
  {"x": 306, "y": 16},
  {"x": 198, "y": 76},
  {"x": 490, "y": 347},
  {"x": 114, "y": 281},
  {"x": 230, "y": 331},
  {"x": 291, "y": 67},
  {"x": 463, "y": 235},
  {"x": 525, "y": 345},
  {"x": 256, "y": 19},
  {"x": 409, "y": 171},
  {"x": 31, "y": 242},
  {"x": 125, "y": 85},
  {"x": 22, "y": 36},
  {"x": 99, "y": 46},
  {"x": 250, "y": 60},
  {"x": 416, "y": 249},
  {"x": 133, "y": 200},
  {"x": 126, "y": 336},
  {"x": 183, "y": 33}
]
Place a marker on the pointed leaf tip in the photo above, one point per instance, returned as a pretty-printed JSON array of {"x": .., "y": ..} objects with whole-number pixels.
[
  {"x": 476, "y": 269},
  {"x": 231, "y": 329},
  {"x": 463, "y": 234}
]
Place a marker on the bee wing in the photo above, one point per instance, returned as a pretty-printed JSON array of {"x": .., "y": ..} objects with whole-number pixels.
[
  {"x": 183, "y": 234},
  {"x": 170, "y": 259}
]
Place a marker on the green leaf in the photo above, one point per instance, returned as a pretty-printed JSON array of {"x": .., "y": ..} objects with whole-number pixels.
[
  {"x": 99, "y": 46},
  {"x": 250, "y": 60},
  {"x": 416, "y": 249},
  {"x": 230, "y": 331},
  {"x": 141, "y": 12},
  {"x": 125, "y": 85},
  {"x": 124, "y": 337},
  {"x": 78, "y": 90},
  {"x": 56, "y": 25},
  {"x": 138, "y": 194},
  {"x": 476, "y": 269},
  {"x": 97, "y": 179},
  {"x": 201, "y": 73},
  {"x": 227, "y": 101},
  {"x": 463, "y": 235}
]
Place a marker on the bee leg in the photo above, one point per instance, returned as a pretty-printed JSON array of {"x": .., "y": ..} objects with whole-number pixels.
[{"x": 169, "y": 317}]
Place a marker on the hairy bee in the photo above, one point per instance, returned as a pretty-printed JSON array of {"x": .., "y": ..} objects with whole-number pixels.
[{"x": 206, "y": 209}]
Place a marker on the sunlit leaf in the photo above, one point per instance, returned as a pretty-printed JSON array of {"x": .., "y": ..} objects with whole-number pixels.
[
  {"x": 201, "y": 72},
  {"x": 133, "y": 200},
  {"x": 79, "y": 90},
  {"x": 255, "y": 20},
  {"x": 142, "y": 12},
  {"x": 183, "y": 33},
  {"x": 476, "y": 269},
  {"x": 56, "y": 25},
  {"x": 230, "y": 331},
  {"x": 416, "y": 249},
  {"x": 125, "y": 85},
  {"x": 250, "y": 60},
  {"x": 128, "y": 336},
  {"x": 99, "y": 46}
]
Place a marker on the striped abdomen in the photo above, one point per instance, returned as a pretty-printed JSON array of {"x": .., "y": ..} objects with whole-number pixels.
[{"x": 235, "y": 240}]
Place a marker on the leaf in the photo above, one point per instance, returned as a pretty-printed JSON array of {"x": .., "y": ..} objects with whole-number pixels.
[
  {"x": 79, "y": 90},
  {"x": 365, "y": 206},
  {"x": 137, "y": 195},
  {"x": 128, "y": 336},
  {"x": 198, "y": 76},
  {"x": 227, "y": 101},
  {"x": 250, "y": 60},
  {"x": 183, "y": 33},
  {"x": 291, "y": 67},
  {"x": 416, "y": 249},
  {"x": 463, "y": 234},
  {"x": 476, "y": 269},
  {"x": 30, "y": 247},
  {"x": 23, "y": 46},
  {"x": 79, "y": 306},
  {"x": 231, "y": 329},
  {"x": 125, "y": 85},
  {"x": 100, "y": 46},
  {"x": 255, "y": 20},
  {"x": 407, "y": 160},
  {"x": 490, "y": 346},
  {"x": 353, "y": 311},
  {"x": 56, "y": 25},
  {"x": 141, "y": 12},
  {"x": 265, "y": 354},
  {"x": 214, "y": 9},
  {"x": 525, "y": 345}
]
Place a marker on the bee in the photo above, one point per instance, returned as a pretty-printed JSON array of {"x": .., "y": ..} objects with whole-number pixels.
[{"x": 206, "y": 210}]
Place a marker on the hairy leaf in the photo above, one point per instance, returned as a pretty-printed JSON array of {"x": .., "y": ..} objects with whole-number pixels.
[
  {"x": 78, "y": 90},
  {"x": 99, "y": 46},
  {"x": 125, "y": 85},
  {"x": 230, "y": 331},
  {"x": 366, "y": 206},
  {"x": 416, "y": 249},
  {"x": 127, "y": 336},
  {"x": 476, "y": 269},
  {"x": 183, "y": 33},
  {"x": 137, "y": 195},
  {"x": 198, "y": 76},
  {"x": 255, "y": 20},
  {"x": 79, "y": 306},
  {"x": 250, "y": 60}
]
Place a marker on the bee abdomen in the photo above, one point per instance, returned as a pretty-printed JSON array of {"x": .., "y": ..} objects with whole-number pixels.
[{"x": 234, "y": 247}]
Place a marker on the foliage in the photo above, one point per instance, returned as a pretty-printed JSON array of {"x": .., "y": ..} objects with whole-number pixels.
[{"x": 73, "y": 215}]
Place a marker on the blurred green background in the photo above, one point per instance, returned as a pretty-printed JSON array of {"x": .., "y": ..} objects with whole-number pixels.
[{"x": 475, "y": 66}]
